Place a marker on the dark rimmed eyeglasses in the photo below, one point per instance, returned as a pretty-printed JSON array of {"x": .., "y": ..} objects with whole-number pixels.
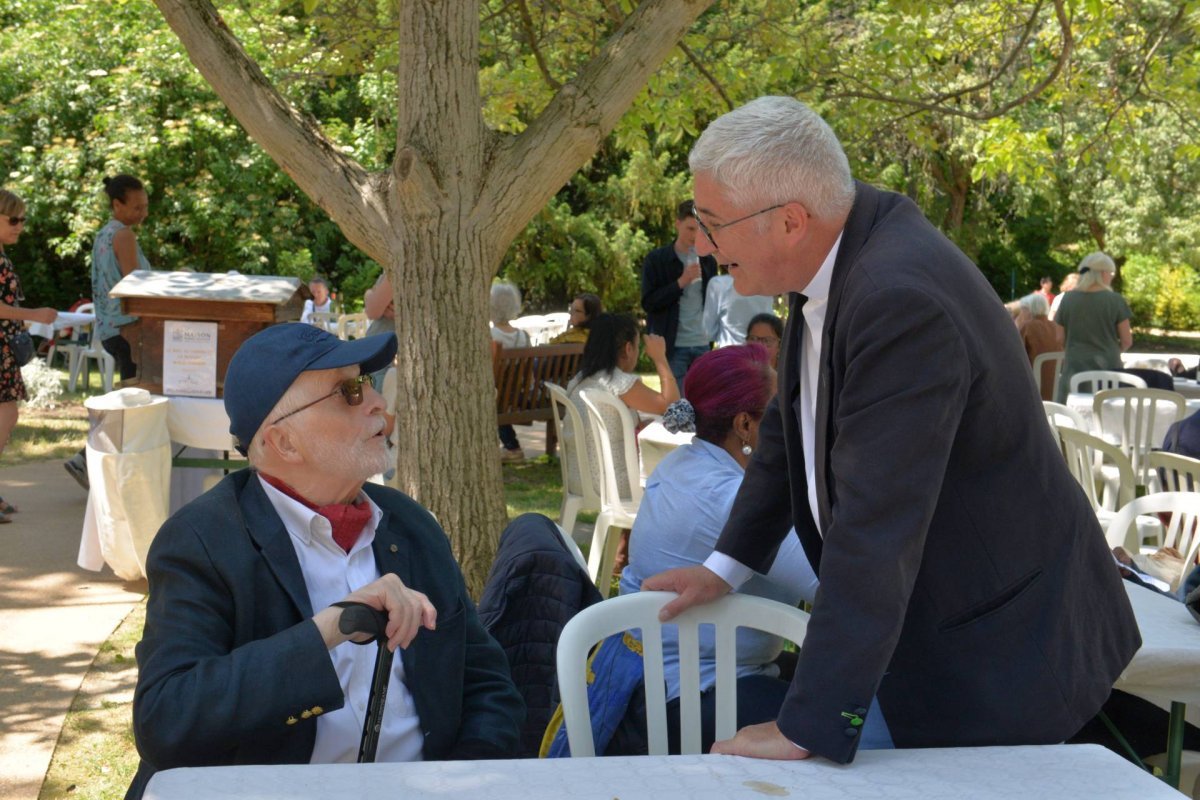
[
  {"x": 707, "y": 230},
  {"x": 765, "y": 341},
  {"x": 351, "y": 389},
  {"x": 14, "y": 221}
]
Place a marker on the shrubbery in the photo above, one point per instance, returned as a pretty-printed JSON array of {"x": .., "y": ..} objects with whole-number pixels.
[{"x": 1161, "y": 295}]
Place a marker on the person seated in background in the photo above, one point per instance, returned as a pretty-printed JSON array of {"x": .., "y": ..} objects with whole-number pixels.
[
  {"x": 609, "y": 360},
  {"x": 505, "y": 306},
  {"x": 584, "y": 308},
  {"x": 766, "y": 330},
  {"x": 242, "y": 660},
  {"x": 320, "y": 303},
  {"x": 1039, "y": 335},
  {"x": 687, "y": 500},
  {"x": 727, "y": 313},
  {"x": 1178, "y": 369}
]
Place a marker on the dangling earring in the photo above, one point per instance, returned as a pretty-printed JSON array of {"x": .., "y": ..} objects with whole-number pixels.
[{"x": 747, "y": 449}]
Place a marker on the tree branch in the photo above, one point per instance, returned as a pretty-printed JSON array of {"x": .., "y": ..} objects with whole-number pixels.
[
  {"x": 295, "y": 142},
  {"x": 703, "y": 70},
  {"x": 531, "y": 36},
  {"x": 529, "y": 168}
]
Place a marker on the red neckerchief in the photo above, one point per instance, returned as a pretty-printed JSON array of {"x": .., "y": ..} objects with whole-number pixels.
[{"x": 347, "y": 519}]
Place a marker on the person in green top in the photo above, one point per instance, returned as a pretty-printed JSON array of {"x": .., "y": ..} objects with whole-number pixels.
[{"x": 1093, "y": 321}]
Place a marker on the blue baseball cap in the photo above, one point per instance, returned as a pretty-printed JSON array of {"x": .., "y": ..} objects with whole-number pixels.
[{"x": 269, "y": 362}]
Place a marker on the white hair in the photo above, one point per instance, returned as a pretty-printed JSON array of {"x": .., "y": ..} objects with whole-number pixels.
[
  {"x": 1091, "y": 268},
  {"x": 1036, "y": 305},
  {"x": 505, "y": 302},
  {"x": 776, "y": 150},
  {"x": 292, "y": 399}
]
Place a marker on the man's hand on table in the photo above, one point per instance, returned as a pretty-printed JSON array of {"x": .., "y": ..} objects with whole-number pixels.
[
  {"x": 408, "y": 611},
  {"x": 694, "y": 585},
  {"x": 760, "y": 741}
]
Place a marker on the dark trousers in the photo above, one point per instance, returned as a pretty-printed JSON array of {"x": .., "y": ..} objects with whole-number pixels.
[
  {"x": 118, "y": 347},
  {"x": 508, "y": 438}
]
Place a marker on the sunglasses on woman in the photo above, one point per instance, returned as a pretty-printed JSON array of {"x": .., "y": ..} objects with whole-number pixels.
[
  {"x": 15, "y": 221},
  {"x": 351, "y": 389}
]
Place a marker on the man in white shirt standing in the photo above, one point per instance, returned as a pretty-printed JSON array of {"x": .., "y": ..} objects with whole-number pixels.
[
  {"x": 967, "y": 596},
  {"x": 242, "y": 660},
  {"x": 727, "y": 313}
]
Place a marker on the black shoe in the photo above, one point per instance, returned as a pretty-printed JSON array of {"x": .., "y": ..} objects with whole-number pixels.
[{"x": 76, "y": 467}]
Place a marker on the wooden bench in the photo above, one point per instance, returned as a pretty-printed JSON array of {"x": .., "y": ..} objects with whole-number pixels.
[{"x": 520, "y": 373}]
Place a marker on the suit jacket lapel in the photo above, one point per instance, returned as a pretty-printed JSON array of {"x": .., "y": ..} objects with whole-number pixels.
[
  {"x": 391, "y": 550},
  {"x": 267, "y": 530},
  {"x": 854, "y": 235}
]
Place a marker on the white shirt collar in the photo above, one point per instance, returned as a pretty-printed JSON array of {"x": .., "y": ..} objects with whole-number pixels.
[
  {"x": 818, "y": 288},
  {"x": 307, "y": 526}
]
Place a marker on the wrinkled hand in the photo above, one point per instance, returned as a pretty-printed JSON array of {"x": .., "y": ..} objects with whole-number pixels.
[
  {"x": 694, "y": 585},
  {"x": 656, "y": 347},
  {"x": 46, "y": 316},
  {"x": 760, "y": 741},
  {"x": 408, "y": 611},
  {"x": 691, "y": 273}
]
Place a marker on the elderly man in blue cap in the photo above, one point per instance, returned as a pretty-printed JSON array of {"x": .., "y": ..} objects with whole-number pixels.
[{"x": 243, "y": 660}]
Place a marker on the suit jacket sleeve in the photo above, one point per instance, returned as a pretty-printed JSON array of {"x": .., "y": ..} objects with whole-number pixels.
[
  {"x": 904, "y": 380},
  {"x": 660, "y": 273},
  {"x": 200, "y": 696}
]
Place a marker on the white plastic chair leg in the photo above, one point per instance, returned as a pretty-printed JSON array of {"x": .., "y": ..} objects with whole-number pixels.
[{"x": 571, "y": 505}]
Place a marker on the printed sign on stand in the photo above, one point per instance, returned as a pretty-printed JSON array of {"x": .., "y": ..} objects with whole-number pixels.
[{"x": 190, "y": 358}]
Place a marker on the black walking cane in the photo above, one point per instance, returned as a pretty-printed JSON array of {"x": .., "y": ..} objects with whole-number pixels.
[{"x": 362, "y": 618}]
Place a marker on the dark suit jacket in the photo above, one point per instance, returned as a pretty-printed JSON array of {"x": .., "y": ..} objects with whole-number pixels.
[
  {"x": 964, "y": 577},
  {"x": 661, "y": 293},
  {"x": 232, "y": 670}
]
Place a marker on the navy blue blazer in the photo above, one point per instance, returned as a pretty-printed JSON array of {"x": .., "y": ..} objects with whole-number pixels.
[
  {"x": 232, "y": 670},
  {"x": 964, "y": 577}
]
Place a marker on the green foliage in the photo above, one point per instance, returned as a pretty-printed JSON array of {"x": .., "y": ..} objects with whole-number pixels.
[{"x": 1161, "y": 294}]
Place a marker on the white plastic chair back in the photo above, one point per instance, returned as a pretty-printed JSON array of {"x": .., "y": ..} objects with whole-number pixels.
[
  {"x": 556, "y": 323},
  {"x": 94, "y": 351},
  {"x": 1172, "y": 472},
  {"x": 615, "y": 513},
  {"x": 1101, "y": 379},
  {"x": 640, "y": 612},
  {"x": 573, "y": 451},
  {"x": 351, "y": 326},
  {"x": 1060, "y": 416},
  {"x": 323, "y": 320},
  {"x": 1143, "y": 413},
  {"x": 73, "y": 345},
  {"x": 1090, "y": 457},
  {"x": 1040, "y": 361},
  {"x": 1181, "y": 533}
]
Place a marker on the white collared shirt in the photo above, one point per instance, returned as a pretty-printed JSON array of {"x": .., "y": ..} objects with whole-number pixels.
[
  {"x": 330, "y": 574},
  {"x": 734, "y": 572}
]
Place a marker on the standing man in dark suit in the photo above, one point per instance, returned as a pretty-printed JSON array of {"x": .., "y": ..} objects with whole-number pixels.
[
  {"x": 242, "y": 660},
  {"x": 674, "y": 285},
  {"x": 967, "y": 596}
]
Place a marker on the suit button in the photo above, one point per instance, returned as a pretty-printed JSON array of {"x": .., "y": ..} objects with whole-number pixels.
[
  {"x": 305, "y": 714},
  {"x": 394, "y": 549},
  {"x": 292, "y": 720},
  {"x": 318, "y": 711},
  {"x": 851, "y": 732}
]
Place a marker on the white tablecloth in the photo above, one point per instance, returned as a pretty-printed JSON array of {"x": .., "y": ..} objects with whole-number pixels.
[
  {"x": 1062, "y": 772},
  {"x": 1110, "y": 424},
  {"x": 1187, "y": 388},
  {"x": 65, "y": 319},
  {"x": 654, "y": 443},
  {"x": 1167, "y": 667}
]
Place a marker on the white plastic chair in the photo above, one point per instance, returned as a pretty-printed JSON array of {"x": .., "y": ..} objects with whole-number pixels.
[
  {"x": 1181, "y": 531},
  {"x": 615, "y": 512},
  {"x": 640, "y": 612},
  {"x": 1059, "y": 416},
  {"x": 1143, "y": 413},
  {"x": 73, "y": 346},
  {"x": 323, "y": 320},
  {"x": 1090, "y": 457},
  {"x": 1040, "y": 361},
  {"x": 1172, "y": 472},
  {"x": 1101, "y": 379},
  {"x": 351, "y": 326},
  {"x": 92, "y": 350},
  {"x": 574, "y": 451}
]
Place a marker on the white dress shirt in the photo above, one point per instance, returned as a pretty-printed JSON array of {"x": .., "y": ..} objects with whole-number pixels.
[
  {"x": 330, "y": 574},
  {"x": 734, "y": 572},
  {"x": 727, "y": 313}
]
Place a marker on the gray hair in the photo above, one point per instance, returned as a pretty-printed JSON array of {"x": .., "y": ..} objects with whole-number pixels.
[
  {"x": 1036, "y": 305},
  {"x": 777, "y": 150},
  {"x": 292, "y": 399},
  {"x": 1095, "y": 264},
  {"x": 505, "y": 302}
]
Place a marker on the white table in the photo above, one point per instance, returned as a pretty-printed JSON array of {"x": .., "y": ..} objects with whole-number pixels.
[
  {"x": 65, "y": 319},
  {"x": 655, "y": 442},
  {"x": 1166, "y": 670},
  {"x": 1188, "y": 388},
  {"x": 1060, "y": 772}
]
